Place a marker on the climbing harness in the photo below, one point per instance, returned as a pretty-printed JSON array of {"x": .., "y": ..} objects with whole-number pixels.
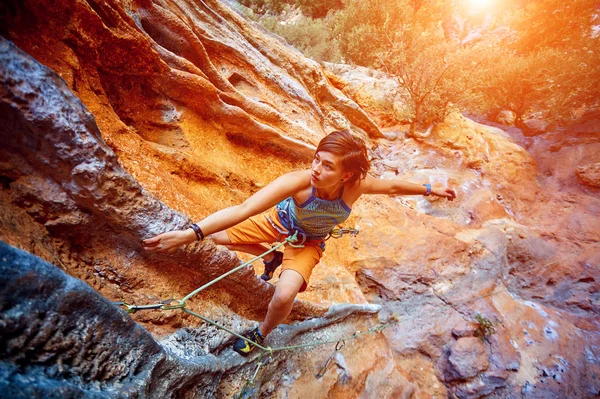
[
  {"x": 336, "y": 232},
  {"x": 282, "y": 233}
]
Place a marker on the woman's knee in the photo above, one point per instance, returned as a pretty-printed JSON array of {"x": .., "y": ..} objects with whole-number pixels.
[{"x": 283, "y": 297}]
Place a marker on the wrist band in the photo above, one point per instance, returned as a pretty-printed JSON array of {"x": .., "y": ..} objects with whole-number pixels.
[
  {"x": 428, "y": 189},
  {"x": 198, "y": 231}
]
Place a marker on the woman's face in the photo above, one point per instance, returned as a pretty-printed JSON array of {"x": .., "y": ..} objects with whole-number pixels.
[{"x": 327, "y": 170}]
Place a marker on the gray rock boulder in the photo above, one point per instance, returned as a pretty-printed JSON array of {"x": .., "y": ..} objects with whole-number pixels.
[
  {"x": 468, "y": 358},
  {"x": 61, "y": 339}
]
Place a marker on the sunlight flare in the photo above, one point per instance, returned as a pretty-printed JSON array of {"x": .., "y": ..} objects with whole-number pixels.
[{"x": 480, "y": 4}]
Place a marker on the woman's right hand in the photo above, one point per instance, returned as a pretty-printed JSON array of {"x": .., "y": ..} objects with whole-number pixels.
[{"x": 167, "y": 242}]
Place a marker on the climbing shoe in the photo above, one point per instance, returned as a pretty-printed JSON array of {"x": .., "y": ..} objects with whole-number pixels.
[
  {"x": 244, "y": 347},
  {"x": 271, "y": 266}
]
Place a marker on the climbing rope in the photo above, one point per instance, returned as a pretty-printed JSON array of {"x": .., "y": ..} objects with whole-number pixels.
[
  {"x": 165, "y": 305},
  {"x": 250, "y": 381},
  {"x": 181, "y": 304},
  {"x": 266, "y": 350},
  {"x": 340, "y": 343},
  {"x": 291, "y": 240}
]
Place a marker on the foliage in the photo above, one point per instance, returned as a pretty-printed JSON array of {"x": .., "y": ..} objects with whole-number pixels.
[
  {"x": 404, "y": 38},
  {"x": 310, "y": 8},
  {"x": 554, "y": 24},
  {"x": 310, "y": 36},
  {"x": 546, "y": 60},
  {"x": 319, "y": 9},
  {"x": 361, "y": 42},
  {"x": 485, "y": 327},
  {"x": 266, "y": 6},
  {"x": 558, "y": 55}
]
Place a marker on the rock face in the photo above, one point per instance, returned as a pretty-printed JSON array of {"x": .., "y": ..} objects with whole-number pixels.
[
  {"x": 506, "y": 118},
  {"x": 152, "y": 61},
  {"x": 467, "y": 358},
  {"x": 495, "y": 251},
  {"x": 381, "y": 96},
  {"x": 59, "y": 173},
  {"x": 533, "y": 127},
  {"x": 590, "y": 175},
  {"x": 75, "y": 343},
  {"x": 150, "y": 114}
]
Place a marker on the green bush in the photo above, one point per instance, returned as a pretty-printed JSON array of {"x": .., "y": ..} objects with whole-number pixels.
[
  {"x": 262, "y": 7},
  {"x": 485, "y": 327},
  {"x": 311, "y": 36},
  {"x": 319, "y": 9},
  {"x": 555, "y": 71}
]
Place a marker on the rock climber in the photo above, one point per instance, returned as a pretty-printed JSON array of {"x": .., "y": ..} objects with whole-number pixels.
[{"x": 311, "y": 202}]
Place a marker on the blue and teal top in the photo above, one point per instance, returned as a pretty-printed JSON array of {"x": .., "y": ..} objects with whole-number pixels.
[{"x": 315, "y": 217}]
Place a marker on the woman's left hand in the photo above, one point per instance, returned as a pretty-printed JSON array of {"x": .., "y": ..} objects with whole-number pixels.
[
  {"x": 444, "y": 191},
  {"x": 168, "y": 242}
]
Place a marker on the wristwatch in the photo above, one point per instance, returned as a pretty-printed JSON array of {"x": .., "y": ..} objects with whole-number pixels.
[{"x": 428, "y": 189}]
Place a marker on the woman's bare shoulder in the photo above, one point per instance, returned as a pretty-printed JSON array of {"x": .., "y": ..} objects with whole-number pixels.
[
  {"x": 300, "y": 179},
  {"x": 353, "y": 192},
  {"x": 299, "y": 173}
]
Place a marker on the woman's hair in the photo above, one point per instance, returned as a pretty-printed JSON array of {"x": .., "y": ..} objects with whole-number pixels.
[{"x": 351, "y": 149}]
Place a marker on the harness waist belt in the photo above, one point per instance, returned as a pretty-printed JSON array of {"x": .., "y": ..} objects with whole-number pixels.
[{"x": 302, "y": 236}]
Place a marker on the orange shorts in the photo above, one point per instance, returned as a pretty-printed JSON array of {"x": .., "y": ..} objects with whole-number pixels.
[{"x": 258, "y": 229}]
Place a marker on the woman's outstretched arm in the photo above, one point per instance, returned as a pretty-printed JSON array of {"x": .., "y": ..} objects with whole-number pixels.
[
  {"x": 372, "y": 185},
  {"x": 267, "y": 197}
]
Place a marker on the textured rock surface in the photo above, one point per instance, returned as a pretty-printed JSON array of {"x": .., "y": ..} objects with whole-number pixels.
[
  {"x": 61, "y": 339},
  {"x": 64, "y": 176},
  {"x": 533, "y": 127},
  {"x": 590, "y": 174},
  {"x": 467, "y": 358},
  {"x": 500, "y": 250},
  {"x": 170, "y": 110},
  {"x": 506, "y": 118},
  {"x": 381, "y": 96},
  {"x": 63, "y": 184}
]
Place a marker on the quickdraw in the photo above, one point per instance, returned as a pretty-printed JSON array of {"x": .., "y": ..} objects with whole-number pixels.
[
  {"x": 321, "y": 372},
  {"x": 339, "y": 232},
  {"x": 246, "y": 389}
]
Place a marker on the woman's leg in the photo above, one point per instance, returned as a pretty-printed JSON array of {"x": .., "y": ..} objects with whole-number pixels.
[
  {"x": 298, "y": 264},
  {"x": 281, "y": 304},
  {"x": 221, "y": 238}
]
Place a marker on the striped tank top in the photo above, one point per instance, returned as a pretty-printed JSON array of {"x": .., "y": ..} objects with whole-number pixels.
[{"x": 315, "y": 217}]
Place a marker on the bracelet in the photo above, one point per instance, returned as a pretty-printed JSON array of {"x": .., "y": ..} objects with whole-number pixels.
[
  {"x": 198, "y": 231},
  {"x": 428, "y": 189}
]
